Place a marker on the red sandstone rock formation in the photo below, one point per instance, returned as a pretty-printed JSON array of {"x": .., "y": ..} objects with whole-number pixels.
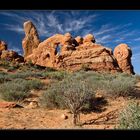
[
  {"x": 45, "y": 53},
  {"x": 3, "y": 46},
  {"x": 123, "y": 55},
  {"x": 79, "y": 40},
  {"x": 8, "y": 54},
  {"x": 31, "y": 40},
  {"x": 97, "y": 58},
  {"x": 11, "y": 56},
  {"x": 76, "y": 52}
]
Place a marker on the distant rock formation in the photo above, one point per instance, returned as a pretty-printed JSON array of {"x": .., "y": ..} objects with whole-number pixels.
[
  {"x": 67, "y": 53},
  {"x": 3, "y": 46},
  {"x": 123, "y": 55},
  {"x": 31, "y": 40},
  {"x": 9, "y": 55}
]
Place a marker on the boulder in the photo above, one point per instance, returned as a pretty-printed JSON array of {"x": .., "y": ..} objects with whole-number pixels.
[
  {"x": 11, "y": 56},
  {"x": 89, "y": 38},
  {"x": 79, "y": 40},
  {"x": 123, "y": 56},
  {"x": 64, "y": 116},
  {"x": 7, "y": 105}
]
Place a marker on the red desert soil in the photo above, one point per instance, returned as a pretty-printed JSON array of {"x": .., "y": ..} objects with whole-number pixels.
[{"x": 40, "y": 118}]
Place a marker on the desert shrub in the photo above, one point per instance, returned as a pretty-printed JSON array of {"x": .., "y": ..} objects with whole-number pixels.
[
  {"x": 4, "y": 63},
  {"x": 137, "y": 76},
  {"x": 20, "y": 75},
  {"x": 11, "y": 91},
  {"x": 50, "y": 69},
  {"x": 52, "y": 98},
  {"x": 18, "y": 89},
  {"x": 119, "y": 85},
  {"x": 130, "y": 116},
  {"x": 3, "y": 77},
  {"x": 58, "y": 75},
  {"x": 29, "y": 84},
  {"x": 12, "y": 68},
  {"x": 24, "y": 75},
  {"x": 70, "y": 93}
]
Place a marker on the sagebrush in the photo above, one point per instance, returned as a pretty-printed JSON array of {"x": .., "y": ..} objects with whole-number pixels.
[{"x": 130, "y": 116}]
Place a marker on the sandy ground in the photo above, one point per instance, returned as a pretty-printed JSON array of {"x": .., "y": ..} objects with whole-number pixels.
[{"x": 40, "y": 118}]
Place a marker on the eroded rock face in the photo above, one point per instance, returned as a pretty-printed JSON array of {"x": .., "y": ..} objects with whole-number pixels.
[
  {"x": 67, "y": 53},
  {"x": 31, "y": 40},
  {"x": 123, "y": 55},
  {"x": 79, "y": 40},
  {"x": 11, "y": 56},
  {"x": 89, "y": 38},
  {"x": 3, "y": 46},
  {"x": 45, "y": 53},
  {"x": 98, "y": 58}
]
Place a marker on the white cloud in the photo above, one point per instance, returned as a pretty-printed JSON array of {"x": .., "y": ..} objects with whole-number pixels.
[
  {"x": 15, "y": 28},
  {"x": 137, "y": 39},
  {"x": 108, "y": 28},
  {"x": 47, "y": 23},
  {"x": 104, "y": 39},
  {"x": 14, "y": 48},
  {"x": 135, "y": 58}
]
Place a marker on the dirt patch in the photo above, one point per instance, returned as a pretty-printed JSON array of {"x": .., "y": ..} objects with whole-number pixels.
[{"x": 39, "y": 118}]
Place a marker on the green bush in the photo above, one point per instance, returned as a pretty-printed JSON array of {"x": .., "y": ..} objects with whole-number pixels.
[
  {"x": 11, "y": 91},
  {"x": 4, "y": 63},
  {"x": 130, "y": 117},
  {"x": 111, "y": 84},
  {"x": 30, "y": 84},
  {"x": 25, "y": 75},
  {"x": 58, "y": 75},
  {"x": 18, "y": 89},
  {"x": 3, "y": 77},
  {"x": 120, "y": 85},
  {"x": 70, "y": 93},
  {"x": 137, "y": 76}
]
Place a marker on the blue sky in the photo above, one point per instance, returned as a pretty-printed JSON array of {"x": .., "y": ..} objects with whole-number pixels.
[{"x": 110, "y": 28}]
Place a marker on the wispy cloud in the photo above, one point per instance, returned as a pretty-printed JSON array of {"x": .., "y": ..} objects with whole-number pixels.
[
  {"x": 136, "y": 57},
  {"x": 104, "y": 39},
  {"x": 137, "y": 39},
  {"x": 15, "y": 28},
  {"x": 47, "y": 23},
  {"x": 110, "y": 34},
  {"x": 11, "y": 46},
  {"x": 107, "y": 28},
  {"x": 52, "y": 22}
]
